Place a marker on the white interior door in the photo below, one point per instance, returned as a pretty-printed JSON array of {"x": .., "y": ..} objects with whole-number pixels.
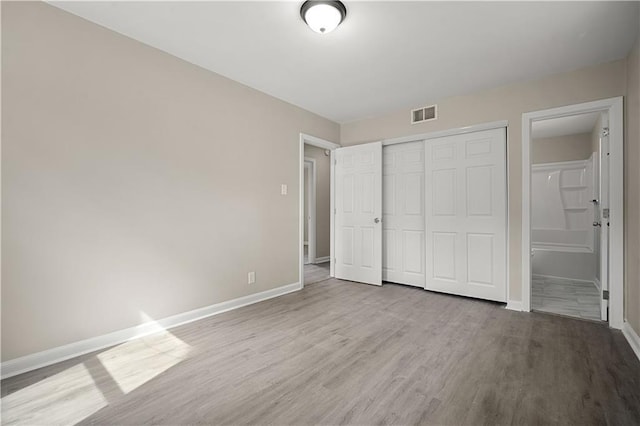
[
  {"x": 603, "y": 185},
  {"x": 465, "y": 184},
  {"x": 358, "y": 201},
  {"x": 403, "y": 258}
]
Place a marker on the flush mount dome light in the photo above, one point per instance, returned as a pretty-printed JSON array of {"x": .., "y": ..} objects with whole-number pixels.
[{"x": 323, "y": 16}]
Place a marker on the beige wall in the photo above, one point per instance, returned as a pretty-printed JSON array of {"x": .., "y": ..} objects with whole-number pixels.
[
  {"x": 503, "y": 103},
  {"x": 323, "y": 199},
  {"x": 632, "y": 189},
  {"x": 562, "y": 148},
  {"x": 134, "y": 184}
]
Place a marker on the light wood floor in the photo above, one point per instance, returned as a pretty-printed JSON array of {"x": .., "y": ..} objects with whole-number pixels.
[
  {"x": 346, "y": 353},
  {"x": 315, "y": 273}
]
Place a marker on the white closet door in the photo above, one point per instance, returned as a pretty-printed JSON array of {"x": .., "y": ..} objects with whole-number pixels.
[
  {"x": 466, "y": 214},
  {"x": 403, "y": 258},
  {"x": 358, "y": 200}
]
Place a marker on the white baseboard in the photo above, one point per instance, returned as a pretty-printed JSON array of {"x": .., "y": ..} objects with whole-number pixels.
[
  {"x": 61, "y": 353},
  {"x": 323, "y": 259},
  {"x": 632, "y": 338},
  {"x": 514, "y": 305}
]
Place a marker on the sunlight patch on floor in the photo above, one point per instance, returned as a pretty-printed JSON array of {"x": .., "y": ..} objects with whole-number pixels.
[
  {"x": 65, "y": 398},
  {"x": 78, "y": 392},
  {"x": 134, "y": 363}
]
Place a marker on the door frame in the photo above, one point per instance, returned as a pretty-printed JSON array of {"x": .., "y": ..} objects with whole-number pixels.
[
  {"x": 310, "y": 188},
  {"x": 614, "y": 106},
  {"x": 325, "y": 144},
  {"x": 448, "y": 132}
]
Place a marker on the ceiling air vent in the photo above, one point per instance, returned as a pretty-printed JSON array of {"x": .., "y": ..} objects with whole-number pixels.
[{"x": 423, "y": 114}]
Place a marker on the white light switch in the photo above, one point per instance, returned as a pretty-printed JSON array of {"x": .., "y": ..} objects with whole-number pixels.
[
  {"x": 283, "y": 189},
  {"x": 252, "y": 277}
]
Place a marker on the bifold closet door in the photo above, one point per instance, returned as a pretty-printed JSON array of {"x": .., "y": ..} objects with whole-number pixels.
[
  {"x": 358, "y": 215},
  {"x": 466, "y": 213},
  {"x": 403, "y": 258}
]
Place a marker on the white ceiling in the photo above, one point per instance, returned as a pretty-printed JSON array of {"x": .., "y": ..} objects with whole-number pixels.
[
  {"x": 386, "y": 55},
  {"x": 563, "y": 126}
]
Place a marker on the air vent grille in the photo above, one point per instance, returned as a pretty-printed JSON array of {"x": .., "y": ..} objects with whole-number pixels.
[{"x": 423, "y": 114}]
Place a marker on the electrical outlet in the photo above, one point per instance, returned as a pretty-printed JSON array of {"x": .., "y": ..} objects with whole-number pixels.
[
  {"x": 283, "y": 189},
  {"x": 252, "y": 277}
]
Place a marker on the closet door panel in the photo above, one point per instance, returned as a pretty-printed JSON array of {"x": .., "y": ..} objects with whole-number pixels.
[
  {"x": 403, "y": 214},
  {"x": 466, "y": 214}
]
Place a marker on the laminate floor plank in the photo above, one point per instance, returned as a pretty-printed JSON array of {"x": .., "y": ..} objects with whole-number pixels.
[
  {"x": 339, "y": 352},
  {"x": 314, "y": 273}
]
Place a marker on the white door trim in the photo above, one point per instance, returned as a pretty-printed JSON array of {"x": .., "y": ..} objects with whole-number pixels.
[
  {"x": 449, "y": 132},
  {"x": 310, "y": 187},
  {"x": 614, "y": 106},
  {"x": 320, "y": 143}
]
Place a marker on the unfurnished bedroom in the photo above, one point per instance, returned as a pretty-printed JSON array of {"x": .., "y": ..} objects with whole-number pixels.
[{"x": 320, "y": 213}]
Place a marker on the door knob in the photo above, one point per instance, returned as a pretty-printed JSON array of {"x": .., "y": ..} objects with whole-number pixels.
[
  {"x": 597, "y": 224},
  {"x": 376, "y": 220}
]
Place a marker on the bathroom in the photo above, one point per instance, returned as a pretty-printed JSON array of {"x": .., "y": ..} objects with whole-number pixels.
[{"x": 569, "y": 230}]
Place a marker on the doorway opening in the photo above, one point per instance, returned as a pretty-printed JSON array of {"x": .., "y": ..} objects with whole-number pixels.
[
  {"x": 566, "y": 229},
  {"x": 572, "y": 211},
  {"x": 316, "y": 205},
  {"x": 309, "y": 210}
]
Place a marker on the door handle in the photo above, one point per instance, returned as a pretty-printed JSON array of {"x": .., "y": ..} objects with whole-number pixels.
[
  {"x": 376, "y": 220},
  {"x": 597, "y": 224}
]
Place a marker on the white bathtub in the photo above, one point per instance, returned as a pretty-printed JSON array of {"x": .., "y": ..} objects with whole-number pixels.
[
  {"x": 574, "y": 265},
  {"x": 564, "y": 242}
]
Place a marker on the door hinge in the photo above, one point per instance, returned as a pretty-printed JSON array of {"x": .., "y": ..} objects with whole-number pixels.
[
  {"x": 605, "y": 294},
  {"x": 605, "y": 213},
  {"x": 605, "y": 131}
]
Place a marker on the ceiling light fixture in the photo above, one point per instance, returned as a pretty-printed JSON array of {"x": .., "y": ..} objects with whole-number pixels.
[{"x": 323, "y": 16}]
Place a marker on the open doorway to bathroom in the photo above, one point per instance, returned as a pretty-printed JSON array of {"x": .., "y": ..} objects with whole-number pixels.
[
  {"x": 573, "y": 210},
  {"x": 566, "y": 225}
]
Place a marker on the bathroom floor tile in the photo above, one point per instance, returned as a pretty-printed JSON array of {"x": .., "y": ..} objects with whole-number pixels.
[{"x": 579, "y": 299}]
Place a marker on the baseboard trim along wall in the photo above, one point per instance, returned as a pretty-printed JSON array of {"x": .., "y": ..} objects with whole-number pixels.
[
  {"x": 61, "y": 353},
  {"x": 632, "y": 337},
  {"x": 323, "y": 259},
  {"x": 514, "y": 305}
]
